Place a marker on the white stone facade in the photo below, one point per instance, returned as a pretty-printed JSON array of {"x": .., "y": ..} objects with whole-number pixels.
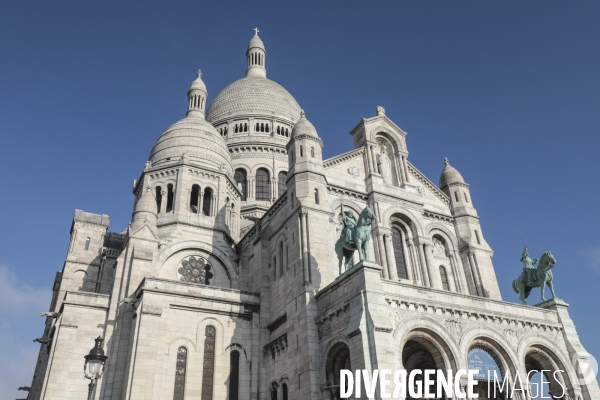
[{"x": 236, "y": 216}]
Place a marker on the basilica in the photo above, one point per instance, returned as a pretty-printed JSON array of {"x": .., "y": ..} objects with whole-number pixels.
[{"x": 237, "y": 277}]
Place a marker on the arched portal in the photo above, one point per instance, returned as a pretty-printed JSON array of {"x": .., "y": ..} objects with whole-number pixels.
[
  {"x": 491, "y": 374},
  {"x": 337, "y": 360}
]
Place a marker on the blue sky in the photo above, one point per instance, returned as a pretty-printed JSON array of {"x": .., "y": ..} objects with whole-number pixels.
[{"x": 508, "y": 91}]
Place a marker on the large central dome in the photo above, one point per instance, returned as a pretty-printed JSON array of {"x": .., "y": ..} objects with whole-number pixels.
[{"x": 253, "y": 96}]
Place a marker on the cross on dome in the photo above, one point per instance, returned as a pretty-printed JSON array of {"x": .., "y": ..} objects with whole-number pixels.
[
  {"x": 256, "y": 31},
  {"x": 199, "y": 73},
  {"x": 446, "y": 161}
]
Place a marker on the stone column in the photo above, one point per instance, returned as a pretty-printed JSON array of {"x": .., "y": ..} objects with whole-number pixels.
[
  {"x": 474, "y": 272},
  {"x": 399, "y": 168},
  {"x": 382, "y": 259},
  {"x": 406, "y": 174},
  {"x": 303, "y": 226},
  {"x": 391, "y": 261},
  {"x": 435, "y": 279},
  {"x": 417, "y": 279},
  {"x": 454, "y": 267},
  {"x": 369, "y": 162},
  {"x": 163, "y": 201},
  {"x": 424, "y": 271},
  {"x": 214, "y": 206},
  {"x": 407, "y": 261},
  {"x": 374, "y": 159},
  {"x": 201, "y": 203}
]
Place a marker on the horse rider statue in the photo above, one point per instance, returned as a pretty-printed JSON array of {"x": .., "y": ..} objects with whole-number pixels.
[
  {"x": 532, "y": 276},
  {"x": 349, "y": 223},
  {"x": 356, "y": 235}
]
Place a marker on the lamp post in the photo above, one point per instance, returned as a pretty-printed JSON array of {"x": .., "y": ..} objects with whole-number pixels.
[{"x": 94, "y": 365}]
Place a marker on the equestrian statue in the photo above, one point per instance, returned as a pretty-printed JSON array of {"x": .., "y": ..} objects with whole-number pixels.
[
  {"x": 356, "y": 235},
  {"x": 533, "y": 277}
]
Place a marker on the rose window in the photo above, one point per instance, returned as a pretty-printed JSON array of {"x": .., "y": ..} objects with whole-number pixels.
[{"x": 196, "y": 270}]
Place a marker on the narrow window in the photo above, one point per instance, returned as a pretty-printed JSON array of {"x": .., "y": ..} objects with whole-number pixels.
[
  {"x": 263, "y": 187},
  {"x": 267, "y": 128},
  {"x": 312, "y": 152},
  {"x": 281, "y": 258},
  {"x": 241, "y": 180},
  {"x": 466, "y": 198},
  {"x": 262, "y": 127},
  {"x": 170, "y": 197},
  {"x": 286, "y": 132},
  {"x": 236, "y": 129},
  {"x": 284, "y": 391},
  {"x": 87, "y": 244},
  {"x": 477, "y": 237},
  {"x": 180, "y": 368},
  {"x": 194, "y": 198},
  {"x": 281, "y": 186},
  {"x": 209, "y": 363},
  {"x": 257, "y": 127},
  {"x": 158, "y": 199},
  {"x": 316, "y": 196},
  {"x": 301, "y": 152},
  {"x": 444, "y": 277},
  {"x": 278, "y": 130},
  {"x": 456, "y": 195},
  {"x": 245, "y": 127},
  {"x": 234, "y": 375},
  {"x": 207, "y": 201}
]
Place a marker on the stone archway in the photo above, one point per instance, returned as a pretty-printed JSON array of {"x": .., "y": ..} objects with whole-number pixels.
[{"x": 338, "y": 358}]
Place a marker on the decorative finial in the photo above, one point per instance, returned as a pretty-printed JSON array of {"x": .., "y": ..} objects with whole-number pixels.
[
  {"x": 199, "y": 73},
  {"x": 380, "y": 110},
  {"x": 256, "y": 31},
  {"x": 302, "y": 114},
  {"x": 446, "y": 161}
]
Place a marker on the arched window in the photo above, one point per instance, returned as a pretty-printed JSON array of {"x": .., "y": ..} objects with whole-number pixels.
[
  {"x": 267, "y": 128},
  {"x": 456, "y": 196},
  {"x": 466, "y": 198},
  {"x": 180, "y": 368},
  {"x": 236, "y": 129},
  {"x": 209, "y": 363},
  {"x": 284, "y": 391},
  {"x": 245, "y": 127},
  {"x": 257, "y": 127},
  {"x": 316, "y": 196},
  {"x": 477, "y": 237},
  {"x": 278, "y": 131},
  {"x": 170, "y": 197},
  {"x": 301, "y": 152},
  {"x": 234, "y": 375},
  {"x": 262, "y": 127},
  {"x": 241, "y": 180},
  {"x": 263, "y": 186},
  {"x": 399, "y": 253},
  {"x": 274, "y": 391},
  {"x": 87, "y": 244},
  {"x": 287, "y": 133},
  {"x": 281, "y": 186},
  {"x": 312, "y": 152},
  {"x": 337, "y": 359},
  {"x": 488, "y": 364},
  {"x": 207, "y": 201},
  {"x": 444, "y": 277},
  {"x": 194, "y": 199},
  {"x": 158, "y": 199}
]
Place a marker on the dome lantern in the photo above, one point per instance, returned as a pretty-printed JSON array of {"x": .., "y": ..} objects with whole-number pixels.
[
  {"x": 256, "y": 55},
  {"x": 197, "y": 97}
]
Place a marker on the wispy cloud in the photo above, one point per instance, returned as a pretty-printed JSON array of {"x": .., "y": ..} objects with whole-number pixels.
[
  {"x": 591, "y": 256},
  {"x": 19, "y": 324}
]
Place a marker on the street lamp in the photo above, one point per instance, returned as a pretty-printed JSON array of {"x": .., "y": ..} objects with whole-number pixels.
[{"x": 94, "y": 365}]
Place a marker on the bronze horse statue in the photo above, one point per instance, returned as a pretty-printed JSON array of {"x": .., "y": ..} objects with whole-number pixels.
[
  {"x": 359, "y": 235},
  {"x": 541, "y": 275}
]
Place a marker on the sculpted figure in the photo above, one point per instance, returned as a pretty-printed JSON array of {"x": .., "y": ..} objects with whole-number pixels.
[
  {"x": 385, "y": 166},
  {"x": 528, "y": 266},
  {"x": 356, "y": 235},
  {"x": 535, "y": 277}
]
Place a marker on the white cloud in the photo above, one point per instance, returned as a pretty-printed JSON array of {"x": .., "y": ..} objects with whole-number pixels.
[
  {"x": 591, "y": 256},
  {"x": 19, "y": 324}
]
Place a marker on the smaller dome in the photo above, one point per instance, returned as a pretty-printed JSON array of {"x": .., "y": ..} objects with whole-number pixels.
[
  {"x": 198, "y": 84},
  {"x": 450, "y": 175},
  {"x": 304, "y": 127},
  {"x": 256, "y": 41}
]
